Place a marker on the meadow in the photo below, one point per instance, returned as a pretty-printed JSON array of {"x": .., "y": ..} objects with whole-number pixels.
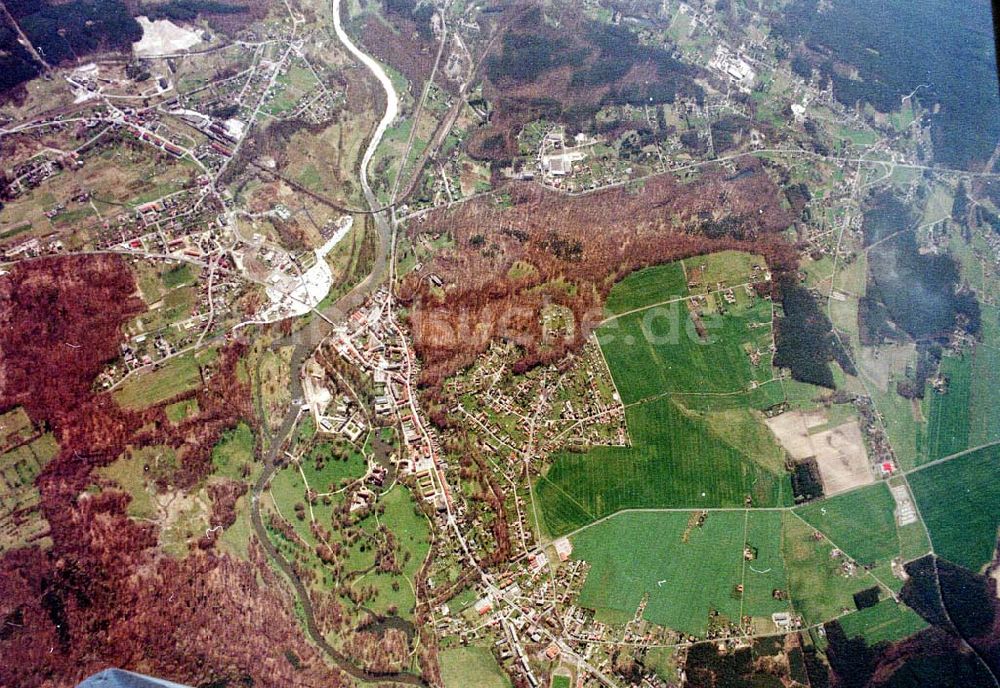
[
  {"x": 339, "y": 466},
  {"x": 233, "y": 451},
  {"x": 687, "y": 570},
  {"x": 959, "y": 501},
  {"x": 175, "y": 375},
  {"x": 412, "y": 533},
  {"x": 640, "y": 553}
]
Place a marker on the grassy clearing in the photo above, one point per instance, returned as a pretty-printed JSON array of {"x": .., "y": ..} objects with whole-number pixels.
[
  {"x": 127, "y": 471},
  {"x": 180, "y": 411},
  {"x": 632, "y": 553},
  {"x": 960, "y": 502},
  {"x": 862, "y": 523},
  {"x": 818, "y": 589},
  {"x": 178, "y": 374},
  {"x": 177, "y": 276},
  {"x": 471, "y": 667},
  {"x": 948, "y": 420},
  {"x": 646, "y": 287},
  {"x": 233, "y": 451},
  {"x": 887, "y": 621},
  {"x": 675, "y": 461}
]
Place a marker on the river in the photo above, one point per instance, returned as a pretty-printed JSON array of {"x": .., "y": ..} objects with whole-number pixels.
[{"x": 305, "y": 341}]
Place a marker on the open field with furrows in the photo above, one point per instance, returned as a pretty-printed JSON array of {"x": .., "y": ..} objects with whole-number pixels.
[
  {"x": 647, "y": 287},
  {"x": 887, "y": 621},
  {"x": 861, "y": 523},
  {"x": 674, "y": 461},
  {"x": 949, "y": 414},
  {"x": 660, "y": 350},
  {"x": 960, "y": 502},
  {"x": 818, "y": 587},
  {"x": 984, "y": 397},
  {"x": 696, "y": 438},
  {"x": 471, "y": 667}
]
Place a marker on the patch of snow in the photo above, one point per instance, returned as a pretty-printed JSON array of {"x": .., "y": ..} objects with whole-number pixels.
[{"x": 163, "y": 37}]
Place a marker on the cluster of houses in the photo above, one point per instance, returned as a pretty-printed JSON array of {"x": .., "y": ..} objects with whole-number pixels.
[{"x": 367, "y": 341}]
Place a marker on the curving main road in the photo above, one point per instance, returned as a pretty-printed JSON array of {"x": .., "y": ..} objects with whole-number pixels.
[{"x": 305, "y": 342}]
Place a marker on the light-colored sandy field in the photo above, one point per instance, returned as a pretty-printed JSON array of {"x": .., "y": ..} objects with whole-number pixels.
[{"x": 839, "y": 452}]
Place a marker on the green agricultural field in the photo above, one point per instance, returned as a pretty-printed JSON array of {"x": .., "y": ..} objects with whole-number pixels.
[
  {"x": 862, "y": 523},
  {"x": 887, "y": 621},
  {"x": 674, "y": 461},
  {"x": 471, "y": 667},
  {"x": 647, "y": 287},
  {"x": 696, "y": 442},
  {"x": 948, "y": 420},
  {"x": 960, "y": 503},
  {"x": 658, "y": 351},
  {"x": 818, "y": 589},
  {"x": 645, "y": 553},
  {"x": 766, "y": 572},
  {"x": 984, "y": 411}
]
